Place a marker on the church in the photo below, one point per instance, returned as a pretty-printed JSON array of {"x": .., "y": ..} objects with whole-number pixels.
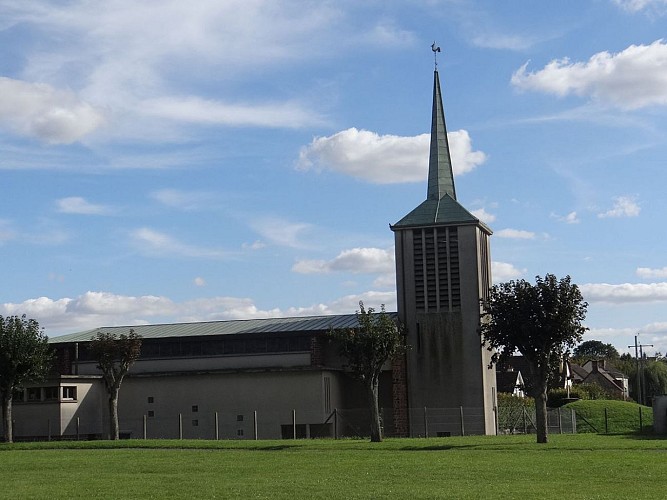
[{"x": 281, "y": 377}]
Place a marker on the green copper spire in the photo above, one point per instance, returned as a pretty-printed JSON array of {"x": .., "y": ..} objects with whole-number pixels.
[{"x": 440, "y": 174}]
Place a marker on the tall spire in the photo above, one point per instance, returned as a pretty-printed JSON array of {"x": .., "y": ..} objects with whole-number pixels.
[{"x": 440, "y": 174}]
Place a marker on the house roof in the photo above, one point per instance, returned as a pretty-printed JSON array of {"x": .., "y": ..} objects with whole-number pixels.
[
  {"x": 303, "y": 324},
  {"x": 508, "y": 381}
]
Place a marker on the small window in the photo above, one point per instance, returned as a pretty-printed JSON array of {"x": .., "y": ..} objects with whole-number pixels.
[
  {"x": 151, "y": 413},
  {"x": 17, "y": 395},
  {"x": 195, "y": 408},
  {"x": 239, "y": 432},
  {"x": 69, "y": 392},
  {"x": 34, "y": 394},
  {"x": 151, "y": 400},
  {"x": 195, "y": 423},
  {"x": 51, "y": 393},
  {"x": 239, "y": 418}
]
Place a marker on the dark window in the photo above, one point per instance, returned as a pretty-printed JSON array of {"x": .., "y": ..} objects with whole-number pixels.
[
  {"x": 239, "y": 418},
  {"x": 151, "y": 400},
  {"x": 195, "y": 408},
  {"x": 195, "y": 423},
  {"x": 34, "y": 394},
  {"x": 239, "y": 432},
  {"x": 151, "y": 413},
  {"x": 51, "y": 393}
]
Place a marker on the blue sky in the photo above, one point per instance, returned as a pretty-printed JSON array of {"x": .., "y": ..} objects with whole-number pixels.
[{"x": 188, "y": 161}]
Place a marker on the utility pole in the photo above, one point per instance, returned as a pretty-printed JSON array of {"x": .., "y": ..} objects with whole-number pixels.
[{"x": 640, "y": 379}]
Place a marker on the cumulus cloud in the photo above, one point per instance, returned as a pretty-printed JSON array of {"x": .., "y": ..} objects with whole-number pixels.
[
  {"x": 631, "y": 79},
  {"x": 624, "y": 206},
  {"x": 515, "y": 234},
  {"x": 355, "y": 260},
  {"x": 181, "y": 199},
  {"x": 384, "y": 159},
  {"x": 648, "y": 273},
  {"x": 483, "y": 215},
  {"x": 155, "y": 243},
  {"x": 503, "y": 271},
  {"x": 95, "y": 309},
  {"x": 43, "y": 112},
  {"x": 625, "y": 292},
  {"x": 199, "y": 281},
  {"x": 79, "y": 205},
  {"x": 570, "y": 218}
]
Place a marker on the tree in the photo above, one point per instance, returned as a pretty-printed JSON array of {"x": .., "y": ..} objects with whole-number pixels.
[
  {"x": 540, "y": 321},
  {"x": 115, "y": 355},
  {"x": 595, "y": 349},
  {"x": 25, "y": 356},
  {"x": 366, "y": 349}
]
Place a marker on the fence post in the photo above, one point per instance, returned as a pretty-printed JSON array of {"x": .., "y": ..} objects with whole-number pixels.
[
  {"x": 217, "y": 426},
  {"x": 525, "y": 427},
  {"x": 49, "y": 428},
  {"x": 145, "y": 427},
  {"x": 560, "y": 422},
  {"x": 293, "y": 424},
  {"x": 425, "y": 423},
  {"x": 180, "y": 426},
  {"x": 641, "y": 426},
  {"x": 463, "y": 429},
  {"x": 254, "y": 424},
  {"x": 573, "y": 417},
  {"x": 606, "y": 422},
  {"x": 335, "y": 423},
  {"x": 78, "y": 426}
]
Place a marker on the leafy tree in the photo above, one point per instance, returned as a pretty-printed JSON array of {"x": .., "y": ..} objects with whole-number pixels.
[
  {"x": 25, "y": 356},
  {"x": 366, "y": 349},
  {"x": 115, "y": 355},
  {"x": 595, "y": 349},
  {"x": 542, "y": 322}
]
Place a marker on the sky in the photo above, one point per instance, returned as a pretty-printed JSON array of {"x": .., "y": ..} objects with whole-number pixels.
[{"x": 168, "y": 161}]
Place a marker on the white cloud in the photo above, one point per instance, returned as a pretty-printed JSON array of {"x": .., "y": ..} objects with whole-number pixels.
[
  {"x": 515, "y": 234},
  {"x": 178, "y": 198},
  {"x": 624, "y": 206},
  {"x": 356, "y": 260},
  {"x": 625, "y": 292},
  {"x": 483, "y": 215},
  {"x": 638, "y": 5},
  {"x": 503, "y": 42},
  {"x": 41, "y": 111},
  {"x": 631, "y": 79},
  {"x": 79, "y": 205},
  {"x": 282, "y": 232},
  {"x": 199, "y": 281},
  {"x": 193, "y": 109},
  {"x": 384, "y": 159},
  {"x": 155, "y": 243},
  {"x": 648, "y": 273},
  {"x": 570, "y": 218},
  {"x": 95, "y": 309},
  {"x": 503, "y": 271}
]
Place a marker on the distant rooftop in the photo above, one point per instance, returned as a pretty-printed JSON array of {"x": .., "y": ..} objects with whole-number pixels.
[{"x": 231, "y": 327}]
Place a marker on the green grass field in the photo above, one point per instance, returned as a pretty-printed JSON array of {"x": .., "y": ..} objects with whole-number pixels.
[{"x": 570, "y": 466}]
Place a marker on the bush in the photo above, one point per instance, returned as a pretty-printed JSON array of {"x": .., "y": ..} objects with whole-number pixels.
[
  {"x": 558, "y": 397},
  {"x": 511, "y": 412}
]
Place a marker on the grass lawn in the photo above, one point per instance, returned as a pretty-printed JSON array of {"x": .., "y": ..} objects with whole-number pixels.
[
  {"x": 622, "y": 416},
  {"x": 570, "y": 466}
]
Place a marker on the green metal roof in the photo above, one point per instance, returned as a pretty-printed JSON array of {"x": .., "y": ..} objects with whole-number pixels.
[
  {"x": 232, "y": 327},
  {"x": 440, "y": 173},
  {"x": 445, "y": 211}
]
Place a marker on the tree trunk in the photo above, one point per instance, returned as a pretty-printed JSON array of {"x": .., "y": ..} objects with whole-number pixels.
[
  {"x": 376, "y": 431},
  {"x": 541, "y": 415},
  {"x": 8, "y": 432},
  {"x": 113, "y": 415}
]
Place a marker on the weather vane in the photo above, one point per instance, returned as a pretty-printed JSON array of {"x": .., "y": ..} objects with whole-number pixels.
[{"x": 435, "y": 50}]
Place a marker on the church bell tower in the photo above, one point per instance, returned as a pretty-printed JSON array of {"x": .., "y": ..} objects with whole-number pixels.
[{"x": 442, "y": 271}]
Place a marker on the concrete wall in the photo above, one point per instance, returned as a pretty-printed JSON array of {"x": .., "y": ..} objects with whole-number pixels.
[
  {"x": 447, "y": 367},
  {"x": 660, "y": 415}
]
